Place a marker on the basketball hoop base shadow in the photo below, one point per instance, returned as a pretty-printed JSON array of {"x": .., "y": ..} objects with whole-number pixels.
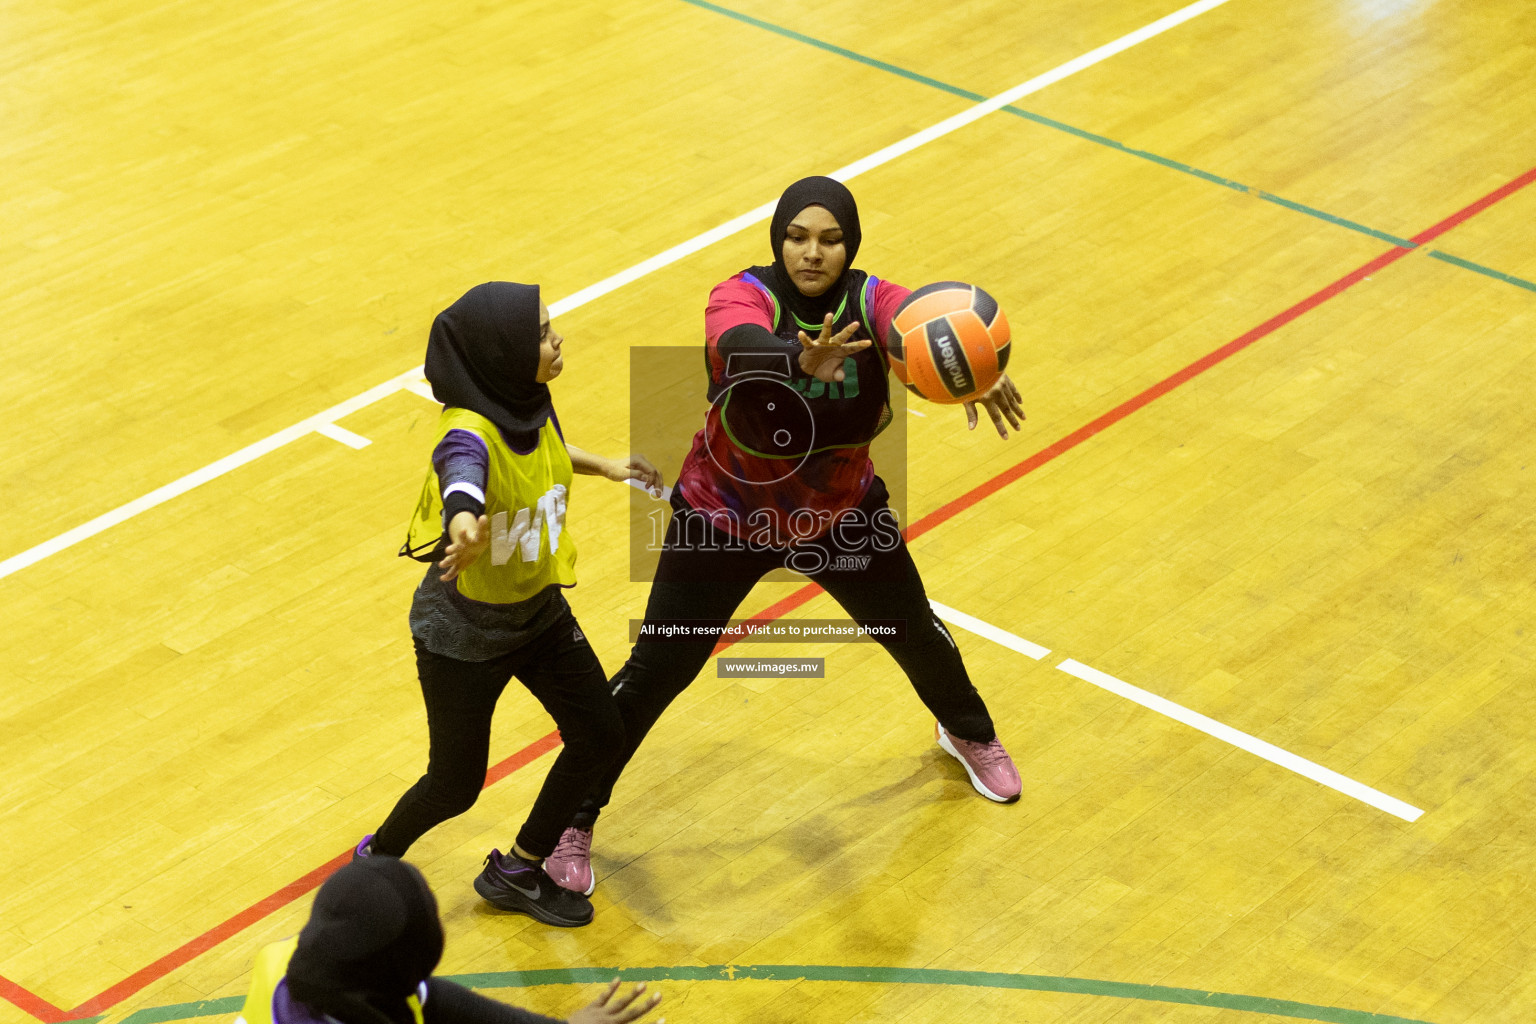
[{"x": 766, "y": 409}]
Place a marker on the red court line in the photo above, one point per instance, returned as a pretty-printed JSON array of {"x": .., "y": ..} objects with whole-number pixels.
[
  {"x": 538, "y": 748},
  {"x": 50, "y": 1014},
  {"x": 37, "y": 1006},
  {"x": 1467, "y": 212},
  {"x": 212, "y": 937},
  {"x": 946, "y": 512}
]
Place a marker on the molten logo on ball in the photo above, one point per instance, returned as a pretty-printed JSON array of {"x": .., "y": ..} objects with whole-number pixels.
[{"x": 948, "y": 342}]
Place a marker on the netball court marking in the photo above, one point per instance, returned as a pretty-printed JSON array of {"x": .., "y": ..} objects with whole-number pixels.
[
  {"x": 1237, "y": 186},
  {"x": 342, "y": 434},
  {"x": 859, "y": 975},
  {"x": 756, "y": 216},
  {"x": 46, "y": 1011},
  {"x": 1260, "y": 748}
]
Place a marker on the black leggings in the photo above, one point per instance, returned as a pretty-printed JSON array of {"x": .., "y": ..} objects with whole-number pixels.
[
  {"x": 703, "y": 576},
  {"x": 560, "y": 669}
]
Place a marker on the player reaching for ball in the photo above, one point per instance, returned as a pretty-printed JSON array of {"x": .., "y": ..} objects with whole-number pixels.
[{"x": 780, "y": 476}]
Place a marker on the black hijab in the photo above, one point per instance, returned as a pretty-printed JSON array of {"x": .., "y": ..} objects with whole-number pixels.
[
  {"x": 372, "y": 937},
  {"x": 834, "y": 196},
  {"x": 483, "y": 355}
]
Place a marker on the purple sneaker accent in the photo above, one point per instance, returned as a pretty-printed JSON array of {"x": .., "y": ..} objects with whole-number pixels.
[
  {"x": 511, "y": 883},
  {"x": 988, "y": 764},
  {"x": 571, "y": 863},
  {"x": 363, "y": 849}
]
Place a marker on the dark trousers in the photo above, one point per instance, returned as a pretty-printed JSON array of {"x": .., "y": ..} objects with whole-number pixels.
[
  {"x": 704, "y": 576},
  {"x": 560, "y": 669}
]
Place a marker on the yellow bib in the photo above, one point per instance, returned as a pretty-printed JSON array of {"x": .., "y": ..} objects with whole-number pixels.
[
  {"x": 270, "y": 967},
  {"x": 525, "y": 498}
]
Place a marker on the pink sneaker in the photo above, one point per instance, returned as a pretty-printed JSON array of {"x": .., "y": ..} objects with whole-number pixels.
[
  {"x": 571, "y": 863},
  {"x": 988, "y": 764}
]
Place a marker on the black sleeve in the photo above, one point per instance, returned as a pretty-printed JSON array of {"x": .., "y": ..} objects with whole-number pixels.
[
  {"x": 750, "y": 338},
  {"x": 449, "y": 1002},
  {"x": 752, "y": 348},
  {"x": 458, "y": 502}
]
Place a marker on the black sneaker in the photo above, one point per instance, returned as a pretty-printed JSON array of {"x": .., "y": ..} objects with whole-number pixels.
[{"x": 510, "y": 883}]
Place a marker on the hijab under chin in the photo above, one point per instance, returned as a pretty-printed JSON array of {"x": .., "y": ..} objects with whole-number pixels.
[
  {"x": 835, "y": 198},
  {"x": 483, "y": 355},
  {"x": 372, "y": 937}
]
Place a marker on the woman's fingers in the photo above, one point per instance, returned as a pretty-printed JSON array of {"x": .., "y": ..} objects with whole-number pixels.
[
  {"x": 639, "y": 1010},
  {"x": 1002, "y": 404},
  {"x": 624, "y": 1000},
  {"x": 997, "y": 419},
  {"x": 601, "y": 1002},
  {"x": 828, "y": 340},
  {"x": 640, "y": 468},
  {"x": 1008, "y": 401},
  {"x": 1002, "y": 408},
  {"x": 1013, "y": 398}
]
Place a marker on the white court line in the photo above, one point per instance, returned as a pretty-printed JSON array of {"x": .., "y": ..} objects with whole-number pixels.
[
  {"x": 254, "y": 451},
  {"x": 986, "y": 629},
  {"x": 422, "y": 388},
  {"x": 1268, "y": 751},
  {"x": 343, "y": 435},
  {"x": 212, "y": 471}
]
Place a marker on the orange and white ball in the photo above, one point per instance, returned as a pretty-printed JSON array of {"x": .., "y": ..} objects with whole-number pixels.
[{"x": 948, "y": 342}]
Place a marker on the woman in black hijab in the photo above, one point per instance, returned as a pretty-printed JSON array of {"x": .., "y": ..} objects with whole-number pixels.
[
  {"x": 367, "y": 954},
  {"x": 780, "y": 477},
  {"x": 491, "y": 519}
]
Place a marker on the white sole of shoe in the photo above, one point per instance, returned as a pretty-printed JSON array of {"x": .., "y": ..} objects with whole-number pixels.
[{"x": 949, "y": 748}]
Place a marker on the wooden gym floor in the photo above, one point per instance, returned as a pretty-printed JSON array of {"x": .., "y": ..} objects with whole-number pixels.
[{"x": 1270, "y": 276}]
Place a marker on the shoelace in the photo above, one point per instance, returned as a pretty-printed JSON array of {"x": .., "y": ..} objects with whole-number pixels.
[
  {"x": 574, "y": 840},
  {"x": 990, "y": 754}
]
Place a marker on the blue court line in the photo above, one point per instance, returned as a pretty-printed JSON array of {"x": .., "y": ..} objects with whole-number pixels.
[
  {"x": 1215, "y": 179},
  {"x": 867, "y": 975}
]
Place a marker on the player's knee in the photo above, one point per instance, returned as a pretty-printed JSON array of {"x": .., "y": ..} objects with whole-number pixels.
[
  {"x": 600, "y": 737},
  {"x": 451, "y": 798},
  {"x": 929, "y": 632}
]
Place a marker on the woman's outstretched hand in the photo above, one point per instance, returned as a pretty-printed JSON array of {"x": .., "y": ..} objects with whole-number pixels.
[
  {"x": 636, "y": 467},
  {"x": 612, "y": 1008},
  {"x": 823, "y": 357},
  {"x": 1000, "y": 400},
  {"x": 467, "y": 538}
]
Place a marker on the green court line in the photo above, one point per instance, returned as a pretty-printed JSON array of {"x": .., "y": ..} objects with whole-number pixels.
[
  {"x": 1082, "y": 133},
  {"x": 862, "y": 975},
  {"x": 185, "y": 1011},
  {"x": 915, "y": 975},
  {"x": 1459, "y": 262}
]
